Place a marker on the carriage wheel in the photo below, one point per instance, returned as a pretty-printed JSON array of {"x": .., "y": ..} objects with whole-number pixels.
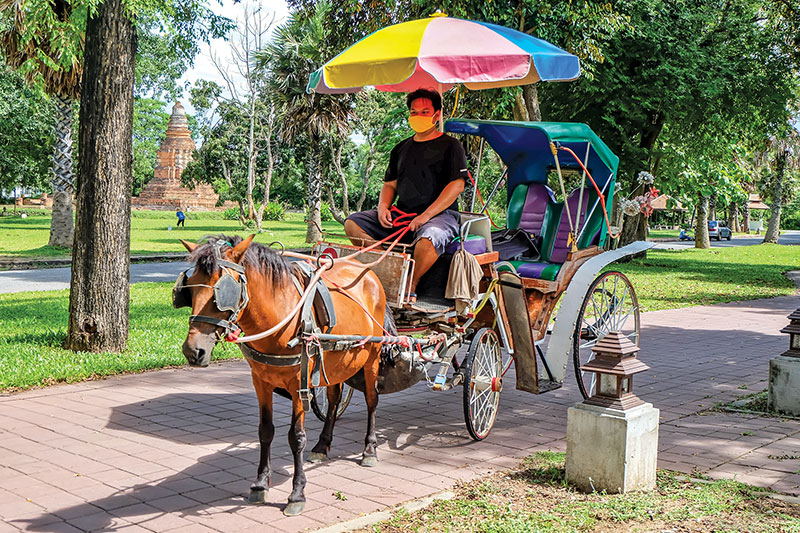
[
  {"x": 483, "y": 370},
  {"x": 319, "y": 401},
  {"x": 610, "y": 304}
]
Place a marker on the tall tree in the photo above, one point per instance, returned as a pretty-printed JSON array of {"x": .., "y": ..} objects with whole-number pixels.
[
  {"x": 299, "y": 47},
  {"x": 780, "y": 169},
  {"x": 62, "y": 81},
  {"x": 98, "y": 303}
]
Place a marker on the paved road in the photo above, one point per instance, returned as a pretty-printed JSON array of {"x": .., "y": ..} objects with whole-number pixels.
[
  {"x": 50, "y": 279},
  {"x": 788, "y": 237},
  {"x": 58, "y": 278}
]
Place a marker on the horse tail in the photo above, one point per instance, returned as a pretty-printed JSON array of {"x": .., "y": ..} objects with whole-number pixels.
[{"x": 391, "y": 328}]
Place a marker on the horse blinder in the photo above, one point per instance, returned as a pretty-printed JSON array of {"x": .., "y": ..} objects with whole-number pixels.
[{"x": 181, "y": 295}]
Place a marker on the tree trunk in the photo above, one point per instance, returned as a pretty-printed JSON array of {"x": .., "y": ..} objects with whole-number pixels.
[
  {"x": 746, "y": 219},
  {"x": 520, "y": 111},
  {"x": 99, "y": 290},
  {"x": 338, "y": 216},
  {"x": 774, "y": 224},
  {"x": 712, "y": 207},
  {"x": 531, "y": 94},
  {"x": 62, "y": 225},
  {"x": 701, "y": 239},
  {"x": 733, "y": 219},
  {"x": 337, "y": 163},
  {"x": 313, "y": 200},
  {"x": 367, "y": 173},
  {"x": 634, "y": 228}
]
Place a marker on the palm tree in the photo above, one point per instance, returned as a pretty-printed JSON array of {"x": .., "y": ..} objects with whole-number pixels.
[
  {"x": 62, "y": 83},
  {"x": 298, "y": 48},
  {"x": 780, "y": 162}
]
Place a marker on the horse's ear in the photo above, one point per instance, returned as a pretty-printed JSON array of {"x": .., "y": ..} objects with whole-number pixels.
[
  {"x": 237, "y": 252},
  {"x": 188, "y": 245}
]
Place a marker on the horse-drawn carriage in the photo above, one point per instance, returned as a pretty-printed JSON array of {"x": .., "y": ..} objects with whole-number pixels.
[
  {"x": 315, "y": 323},
  {"x": 509, "y": 319}
]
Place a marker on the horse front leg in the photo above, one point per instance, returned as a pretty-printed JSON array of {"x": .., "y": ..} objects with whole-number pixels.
[
  {"x": 370, "y": 456},
  {"x": 297, "y": 442},
  {"x": 320, "y": 452},
  {"x": 266, "y": 431}
]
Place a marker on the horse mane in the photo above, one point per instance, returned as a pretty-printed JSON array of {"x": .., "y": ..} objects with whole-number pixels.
[{"x": 258, "y": 257}]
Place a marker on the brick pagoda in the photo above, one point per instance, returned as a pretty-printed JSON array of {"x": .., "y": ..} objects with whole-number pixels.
[{"x": 165, "y": 191}]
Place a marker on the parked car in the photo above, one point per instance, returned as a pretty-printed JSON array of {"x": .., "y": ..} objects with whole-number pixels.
[{"x": 718, "y": 230}]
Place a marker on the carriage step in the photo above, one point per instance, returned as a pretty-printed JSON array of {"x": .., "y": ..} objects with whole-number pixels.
[
  {"x": 545, "y": 385},
  {"x": 432, "y": 305}
]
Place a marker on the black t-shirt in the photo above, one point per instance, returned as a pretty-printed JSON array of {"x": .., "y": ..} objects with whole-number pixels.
[{"x": 423, "y": 170}]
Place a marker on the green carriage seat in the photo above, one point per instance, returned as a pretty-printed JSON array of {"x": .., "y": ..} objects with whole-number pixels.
[{"x": 555, "y": 235}]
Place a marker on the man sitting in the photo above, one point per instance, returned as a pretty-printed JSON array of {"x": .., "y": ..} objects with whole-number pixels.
[{"x": 426, "y": 174}]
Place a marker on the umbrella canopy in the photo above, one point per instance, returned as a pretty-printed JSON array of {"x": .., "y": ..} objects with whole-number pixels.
[{"x": 439, "y": 52}]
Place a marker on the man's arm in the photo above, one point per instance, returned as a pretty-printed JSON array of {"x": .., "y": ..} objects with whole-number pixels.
[
  {"x": 385, "y": 201},
  {"x": 445, "y": 200}
]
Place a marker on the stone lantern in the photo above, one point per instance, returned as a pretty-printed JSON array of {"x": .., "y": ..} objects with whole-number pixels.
[
  {"x": 784, "y": 372},
  {"x": 612, "y": 436},
  {"x": 793, "y": 329},
  {"x": 615, "y": 363}
]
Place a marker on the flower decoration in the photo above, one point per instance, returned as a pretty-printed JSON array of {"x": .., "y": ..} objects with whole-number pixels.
[
  {"x": 645, "y": 178},
  {"x": 629, "y": 207}
]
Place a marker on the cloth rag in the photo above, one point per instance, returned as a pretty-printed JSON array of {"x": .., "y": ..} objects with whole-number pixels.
[{"x": 463, "y": 279}]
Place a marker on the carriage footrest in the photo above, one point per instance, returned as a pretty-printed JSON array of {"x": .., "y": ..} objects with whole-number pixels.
[
  {"x": 432, "y": 305},
  {"x": 545, "y": 385}
]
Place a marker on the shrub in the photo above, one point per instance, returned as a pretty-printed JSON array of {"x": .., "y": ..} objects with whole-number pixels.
[
  {"x": 274, "y": 211},
  {"x": 325, "y": 213},
  {"x": 232, "y": 213}
]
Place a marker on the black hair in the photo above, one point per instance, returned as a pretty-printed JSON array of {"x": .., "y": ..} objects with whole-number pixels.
[
  {"x": 433, "y": 96},
  {"x": 257, "y": 256}
]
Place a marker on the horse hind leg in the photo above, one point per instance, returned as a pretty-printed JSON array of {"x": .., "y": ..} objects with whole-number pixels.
[
  {"x": 370, "y": 455},
  {"x": 266, "y": 431},
  {"x": 297, "y": 442},
  {"x": 320, "y": 451}
]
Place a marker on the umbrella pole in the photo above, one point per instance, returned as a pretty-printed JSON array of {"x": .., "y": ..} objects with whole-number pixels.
[{"x": 477, "y": 176}]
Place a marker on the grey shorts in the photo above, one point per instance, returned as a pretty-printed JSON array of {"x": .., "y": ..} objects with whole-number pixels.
[{"x": 440, "y": 230}]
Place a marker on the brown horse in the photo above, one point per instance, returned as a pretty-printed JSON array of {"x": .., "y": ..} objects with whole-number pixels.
[{"x": 272, "y": 294}]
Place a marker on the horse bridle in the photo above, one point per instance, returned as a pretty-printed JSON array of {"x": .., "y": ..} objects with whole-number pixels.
[{"x": 230, "y": 293}]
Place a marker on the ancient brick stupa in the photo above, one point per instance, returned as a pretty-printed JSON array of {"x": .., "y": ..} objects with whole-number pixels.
[{"x": 165, "y": 191}]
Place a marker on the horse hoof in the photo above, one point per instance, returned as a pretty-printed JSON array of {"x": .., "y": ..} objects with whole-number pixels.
[
  {"x": 258, "y": 496},
  {"x": 369, "y": 460},
  {"x": 316, "y": 457},
  {"x": 294, "y": 508}
]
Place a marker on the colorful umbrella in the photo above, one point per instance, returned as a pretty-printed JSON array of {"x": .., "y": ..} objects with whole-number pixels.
[{"x": 439, "y": 52}]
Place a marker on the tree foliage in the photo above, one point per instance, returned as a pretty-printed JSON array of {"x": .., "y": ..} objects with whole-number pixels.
[{"x": 26, "y": 130}]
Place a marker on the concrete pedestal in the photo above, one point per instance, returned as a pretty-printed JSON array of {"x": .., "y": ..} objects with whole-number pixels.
[
  {"x": 612, "y": 450},
  {"x": 784, "y": 384}
]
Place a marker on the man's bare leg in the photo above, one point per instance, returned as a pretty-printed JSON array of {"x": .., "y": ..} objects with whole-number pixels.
[
  {"x": 356, "y": 235},
  {"x": 424, "y": 257}
]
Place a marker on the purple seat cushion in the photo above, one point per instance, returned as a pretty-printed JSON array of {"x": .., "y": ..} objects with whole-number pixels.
[
  {"x": 560, "y": 247},
  {"x": 474, "y": 244},
  {"x": 533, "y": 212},
  {"x": 547, "y": 271}
]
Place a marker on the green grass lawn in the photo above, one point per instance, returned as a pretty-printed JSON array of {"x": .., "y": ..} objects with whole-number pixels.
[
  {"x": 33, "y": 326},
  {"x": 537, "y": 498},
  {"x": 669, "y": 279},
  {"x": 149, "y": 232},
  {"x": 663, "y": 233}
]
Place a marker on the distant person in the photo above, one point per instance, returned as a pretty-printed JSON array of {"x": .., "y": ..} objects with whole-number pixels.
[
  {"x": 181, "y": 218},
  {"x": 5, "y": 212}
]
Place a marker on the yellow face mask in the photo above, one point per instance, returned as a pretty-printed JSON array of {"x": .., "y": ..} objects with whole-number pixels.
[{"x": 421, "y": 124}]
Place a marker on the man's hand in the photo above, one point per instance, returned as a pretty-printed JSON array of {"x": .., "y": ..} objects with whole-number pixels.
[
  {"x": 419, "y": 221},
  {"x": 384, "y": 217}
]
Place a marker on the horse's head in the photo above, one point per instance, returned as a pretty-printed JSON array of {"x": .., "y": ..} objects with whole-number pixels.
[{"x": 215, "y": 288}]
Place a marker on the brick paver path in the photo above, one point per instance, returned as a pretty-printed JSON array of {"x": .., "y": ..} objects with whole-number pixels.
[{"x": 175, "y": 450}]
